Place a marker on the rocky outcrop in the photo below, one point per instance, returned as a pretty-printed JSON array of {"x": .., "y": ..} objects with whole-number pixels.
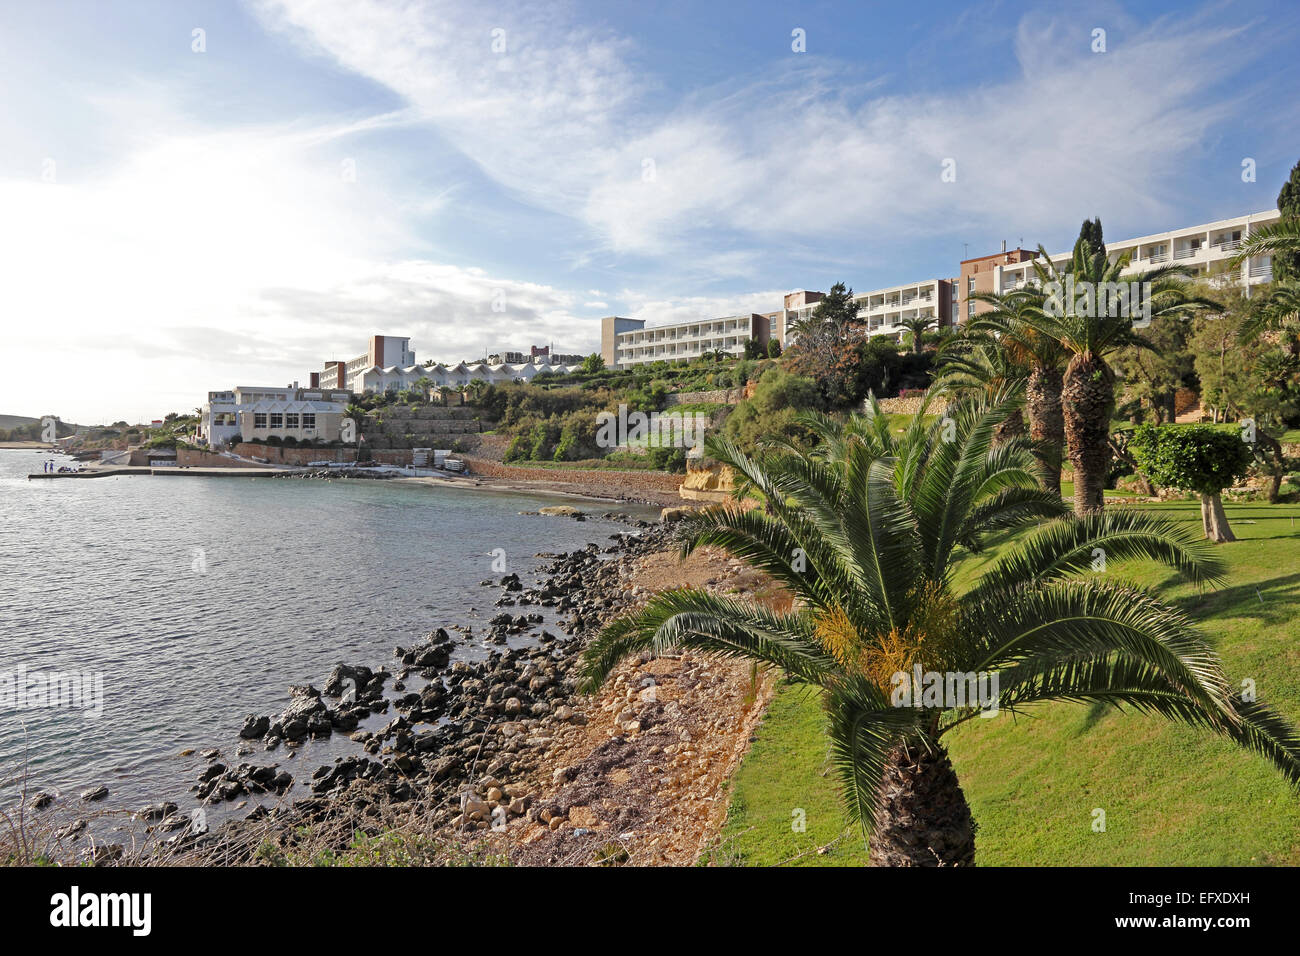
[{"x": 708, "y": 480}]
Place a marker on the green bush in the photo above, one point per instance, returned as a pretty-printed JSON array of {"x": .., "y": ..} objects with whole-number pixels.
[
  {"x": 778, "y": 399},
  {"x": 668, "y": 459},
  {"x": 1200, "y": 458}
]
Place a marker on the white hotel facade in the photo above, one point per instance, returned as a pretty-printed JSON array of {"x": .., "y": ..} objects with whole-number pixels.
[{"x": 1204, "y": 248}]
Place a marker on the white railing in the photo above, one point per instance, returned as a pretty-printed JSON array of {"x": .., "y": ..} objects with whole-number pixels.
[
  {"x": 1185, "y": 253},
  {"x": 1262, "y": 270},
  {"x": 1226, "y": 245}
]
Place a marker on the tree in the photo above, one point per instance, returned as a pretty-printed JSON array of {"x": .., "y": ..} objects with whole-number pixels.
[
  {"x": 773, "y": 348},
  {"x": 1152, "y": 376},
  {"x": 1200, "y": 458},
  {"x": 1044, "y": 358},
  {"x": 593, "y": 363},
  {"x": 753, "y": 349},
  {"x": 974, "y": 365},
  {"x": 357, "y": 414},
  {"x": 917, "y": 328},
  {"x": 1087, "y": 310},
  {"x": 872, "y": 534},
  {"x": 1090, "y": 232},
  {"x": 1286, "y": 261},
  {"x": 476, "y": 388},
  {"x": 825, "y": 344},
  {"x": 1246, "y": 374}
]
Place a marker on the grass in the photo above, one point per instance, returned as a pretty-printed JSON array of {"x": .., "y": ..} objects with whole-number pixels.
[
  {"x": 1067, "y": 492},
  {"x": 1171, "y": 796}
]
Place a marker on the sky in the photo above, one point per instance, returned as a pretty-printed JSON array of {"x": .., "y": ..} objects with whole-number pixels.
[{"x": 198, "y": 195}]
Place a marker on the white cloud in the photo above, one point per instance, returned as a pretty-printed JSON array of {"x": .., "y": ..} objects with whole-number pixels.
[
  {"x": 808, "y": 153},
  {"x": 205, "y": 259}
]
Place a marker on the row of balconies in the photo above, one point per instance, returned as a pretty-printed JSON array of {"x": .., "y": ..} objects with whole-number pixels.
[
  {"x": 1259, "y": 269},
  {"x": 894, "y": 302},
  {"x": 679, "y": 335}
]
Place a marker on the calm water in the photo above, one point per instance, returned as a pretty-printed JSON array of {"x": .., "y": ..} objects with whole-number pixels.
[{"x": 200, "y": 600}]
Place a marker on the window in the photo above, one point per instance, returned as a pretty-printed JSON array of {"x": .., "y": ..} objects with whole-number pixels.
[
  {"x": 290, "y": 419},
  {"x": 259, "y": 419},
  {"x": 308, "y": 419},
  {"x": 970, "y": 284},
  {"x": 277, "y": 420},
  {"x": 970, "y": 308}
]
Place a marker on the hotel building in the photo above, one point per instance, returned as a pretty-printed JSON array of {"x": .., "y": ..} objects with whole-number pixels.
[
  {"x": 1205, "y": 249},
  {"x": 627, "y": 342}
]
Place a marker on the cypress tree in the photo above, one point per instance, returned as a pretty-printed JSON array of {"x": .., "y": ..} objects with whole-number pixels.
[{"x": 1286, "y": 265}]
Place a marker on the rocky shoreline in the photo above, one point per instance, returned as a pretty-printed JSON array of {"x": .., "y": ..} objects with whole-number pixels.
[
  {"x": 461, "y": 731},
  {"x": 457, "y": 744},
  {"x": 477, "y": 752}
]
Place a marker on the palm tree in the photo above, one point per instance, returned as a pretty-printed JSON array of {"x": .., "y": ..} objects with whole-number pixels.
[
  {"x": 871, "y": 533},
  {"x": 918, "y": 327},
  {"x": 1044, "y": 357},
  {"x": 476, "y": 388},
  {"x": 1279, "y": 310},
  {"x": 1091, "y": 327},
  {"x": 974, "y": 365},
  {"x": 1281, "y": 236}
]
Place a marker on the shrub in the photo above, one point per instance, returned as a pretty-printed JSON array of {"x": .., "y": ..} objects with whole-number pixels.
[
  {"x": 778, "y": 398},
  {"x": 1200, "y": 458},
  {"x": 668, "y": 459}
]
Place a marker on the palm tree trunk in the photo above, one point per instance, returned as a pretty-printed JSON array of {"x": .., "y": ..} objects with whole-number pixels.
[
  {"x": 1087, "y": 398},
  {"x": 922, "y": 818},
  {"x": 1046, "y": 423},
  {"x": 1012, "y": 427}
]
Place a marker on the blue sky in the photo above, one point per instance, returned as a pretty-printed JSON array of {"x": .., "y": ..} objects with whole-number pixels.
[{"x": 179, "y": 220}]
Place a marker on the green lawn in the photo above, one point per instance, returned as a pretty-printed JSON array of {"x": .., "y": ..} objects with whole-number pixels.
[{"x": 1171, "y": 796}]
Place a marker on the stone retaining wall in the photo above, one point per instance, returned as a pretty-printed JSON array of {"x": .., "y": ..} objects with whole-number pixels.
[
  {"x": 424, "y": 413},
  {"x": 719, "y": 396},
  {"x": 280, "y": 455},
  {"x": 207, "y": 459}
]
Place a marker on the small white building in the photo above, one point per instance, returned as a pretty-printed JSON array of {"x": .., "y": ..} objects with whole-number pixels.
[{"x": 247, "y": 412}]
